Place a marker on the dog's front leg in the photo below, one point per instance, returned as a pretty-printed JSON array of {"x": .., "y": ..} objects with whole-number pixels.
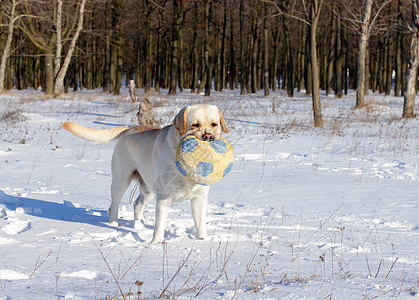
[
  {"x": 199, "y": 213},
  {"x": 162, "y": 211}
]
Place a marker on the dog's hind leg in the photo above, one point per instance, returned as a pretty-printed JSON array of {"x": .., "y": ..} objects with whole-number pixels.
[
  {"x": 118, "y": 188},
  {"x": 140, "y": 204}
]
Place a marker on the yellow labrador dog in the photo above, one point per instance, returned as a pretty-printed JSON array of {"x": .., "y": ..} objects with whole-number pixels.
[{"x": 149, "y": 158}]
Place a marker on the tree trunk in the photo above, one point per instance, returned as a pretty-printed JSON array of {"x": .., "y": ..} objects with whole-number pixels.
[
  {"x": 309, "y": 73},
  {"x": 119, "y": 63},
  {"x": 49, "y": 73},
  {"x": 232, "y": 56},
  {"x": 314, "y": 18},
  {"x": 37, "y": 73},
  {"x": 9, "y": 74},
  {"x": 159, "y": 56},
  {"x": 58, "y": 39},
  {"x": 203, "y": 72},
  {"x": 386, "y": 63},
  {"x": 247, "y": 67},
  {"x": 195, "y": 53},
  {"x": 362, "y": 48},
  {"x": 223, "y": 73},
  {"x": 331, "y": 58},
  {"x": 181, "y": 70},
  {"x": 174, "y": 65},
  {"x": 88, "y": 66},
  {"x": 302, "y": 59},
  {"x": 217, "y": 50},
  {"x": 290, "y": 67},
  {"x": 242, "y": 45},
  {"x": 411, "y": 78},
  {"x": 323, "y": 62},
  {"x": 112, "y": 70},
  {"x": 107, "y": 56},
  {"x": 381, "y": 66},
  {"x": 208, "y": 68},
  {"x": 374, "y": 72},
  {"x": 412, "y": 68},
  {"x": 275, "y": 58},
  {"x": 254, "y": 51},
  {"x": 389, "y": 69},
  {"x": 20, "y": 66},
  {"x": 367, "y": 69},
  {"x": 340, "y": 52},
  {"x": 167, "y": 65},
  {"x": 147, "y": 48},
  {"x": 63, "y": 70},
  {"x": 76, "y": 79},
  {"x": 398, "y": 78},
  {"x": 405, "y": 49},
  {"x": 7, "y": 46},
  {"x": 266, "y": 53},
  {"x": 94, "y": 58},
  {"x": 115, "y": 74}
]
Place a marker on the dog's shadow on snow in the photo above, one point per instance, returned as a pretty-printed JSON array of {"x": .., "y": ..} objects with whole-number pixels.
[{"x": 64, "y": 212}]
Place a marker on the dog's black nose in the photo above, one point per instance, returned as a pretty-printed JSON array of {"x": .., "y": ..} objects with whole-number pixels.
[{"x": 208, "y": 137}]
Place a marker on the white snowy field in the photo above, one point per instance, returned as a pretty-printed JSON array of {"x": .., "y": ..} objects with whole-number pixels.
[{"x": 306, "y": 213}]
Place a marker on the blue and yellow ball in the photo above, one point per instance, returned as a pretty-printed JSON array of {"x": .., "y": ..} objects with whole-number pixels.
[{"x": 204, "y": 162}]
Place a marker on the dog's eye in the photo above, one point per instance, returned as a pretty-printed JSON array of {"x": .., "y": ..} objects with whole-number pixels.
[
  {"x": 196, "y": 125},
  {"x": 214, "y": 125}
]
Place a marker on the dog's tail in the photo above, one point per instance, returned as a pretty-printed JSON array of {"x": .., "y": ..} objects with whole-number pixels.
[{"x": 94, "y": 135}]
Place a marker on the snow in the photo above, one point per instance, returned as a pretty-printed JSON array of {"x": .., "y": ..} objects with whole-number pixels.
[{"x": 305, "y": 213}]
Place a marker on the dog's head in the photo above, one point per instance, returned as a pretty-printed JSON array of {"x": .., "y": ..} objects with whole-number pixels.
[{"x": 204, "y": 121}]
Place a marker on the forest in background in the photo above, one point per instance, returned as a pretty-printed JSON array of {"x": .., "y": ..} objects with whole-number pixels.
[{"x": 62, "y": 45}]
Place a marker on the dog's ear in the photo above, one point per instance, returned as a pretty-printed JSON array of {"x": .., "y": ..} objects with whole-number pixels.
[
  {"x": 223, "y": 124},
  {"x": 180, "y": 120}
]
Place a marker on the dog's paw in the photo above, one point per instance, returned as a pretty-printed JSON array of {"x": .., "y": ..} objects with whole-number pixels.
[
  {"x": 202, "y": 238},
  {"x": 113, "y": 223},
  {"x": 201, "y": 233},
  {"x": 157, "y": 240}
]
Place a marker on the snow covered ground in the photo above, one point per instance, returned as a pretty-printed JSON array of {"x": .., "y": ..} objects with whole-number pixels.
[{"x": 306, "y": 213}]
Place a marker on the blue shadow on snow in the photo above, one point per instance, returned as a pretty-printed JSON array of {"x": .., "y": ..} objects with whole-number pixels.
[{"x": 64, "y": 212}]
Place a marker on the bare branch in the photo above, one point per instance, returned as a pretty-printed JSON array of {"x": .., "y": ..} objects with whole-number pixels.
[{"x": 282, "y": 13}]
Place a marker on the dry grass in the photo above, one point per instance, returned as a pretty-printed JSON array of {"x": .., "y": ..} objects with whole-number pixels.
[{"x": 13, "y": 116}]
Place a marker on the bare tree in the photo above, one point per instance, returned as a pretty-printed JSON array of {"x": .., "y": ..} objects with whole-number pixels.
[
  {"x": 176, "y": 36},
  {"x": 362, "y": 49},
  {"x": 135, "y": 38},
  {"x": 290, "y": 65},
  {"x": 43, "y": 15},
  {"x": 10, "y": 9},
  {"x": 412, "y": 69},
  {"x": 62, "y": 71},
  {"x": 116, "y": 68},
  {"x": 331, "y": 57},
  {"x": 207, "y": 5},
  {"x": 399, "y": 49},
  {"x": 315, "y": 9},
  {"x": 265, "y": 53},
  {"x": 37, "y": 29},
  {"x": 242, "y": 51},
  {"x": 311, "y": 17},
  {"x": 362, "y": 23},
  {"x": 58, "y": 37}
]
